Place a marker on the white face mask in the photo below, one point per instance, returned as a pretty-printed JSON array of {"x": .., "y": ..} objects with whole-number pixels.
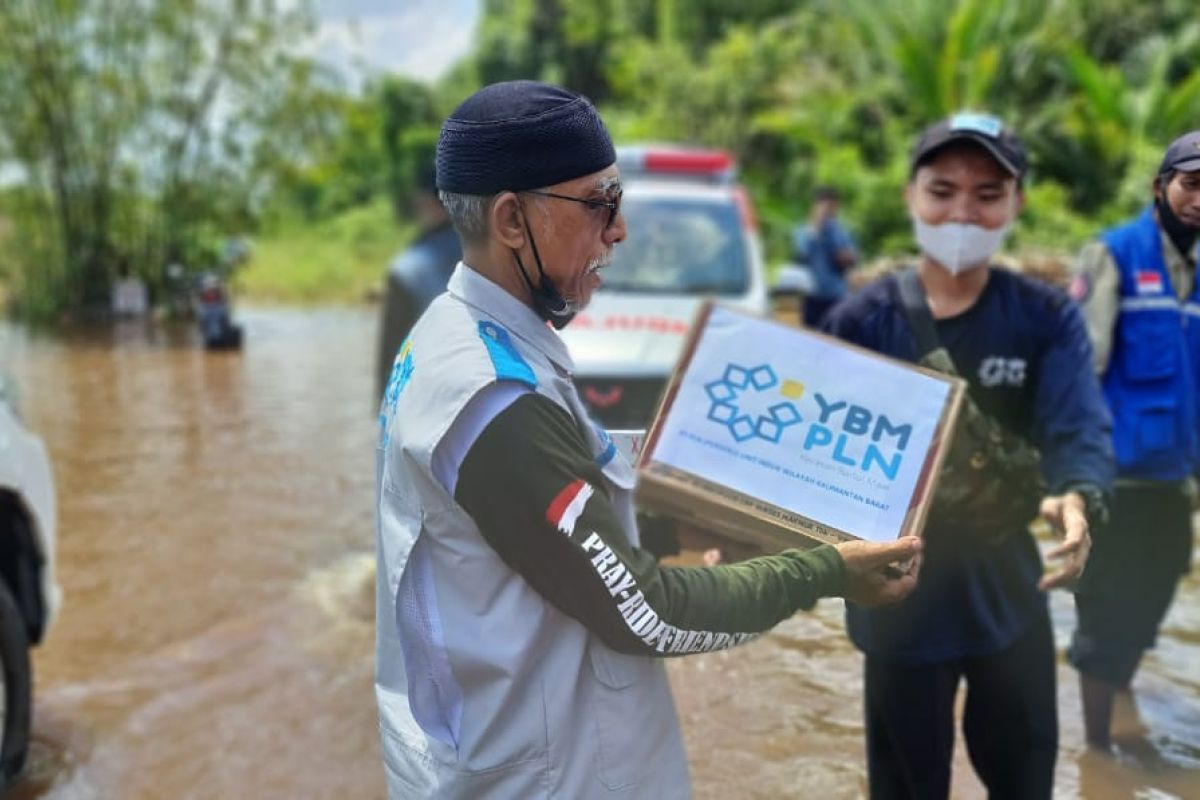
[{"x": 956, "y": 246}]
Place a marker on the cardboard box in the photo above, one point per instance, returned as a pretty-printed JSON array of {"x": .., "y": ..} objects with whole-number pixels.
[{"x": 783, "y": 437}]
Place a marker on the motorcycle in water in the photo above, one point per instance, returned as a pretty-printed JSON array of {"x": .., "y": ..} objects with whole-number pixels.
[{"x": 212, "y": 312}]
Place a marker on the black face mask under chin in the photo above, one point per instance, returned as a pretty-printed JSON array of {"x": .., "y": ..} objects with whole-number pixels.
[
  {"x": 551, "y": 306},
  {"x": 1182, "y": 235}
]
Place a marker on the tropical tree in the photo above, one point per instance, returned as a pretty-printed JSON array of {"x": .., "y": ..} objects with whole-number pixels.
[
  {"x": 130, "y": 127},
  {"x": 1109, "y": 134}
]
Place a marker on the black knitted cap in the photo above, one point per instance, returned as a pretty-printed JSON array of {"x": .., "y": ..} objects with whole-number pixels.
[{"x": 520, "y": 135}]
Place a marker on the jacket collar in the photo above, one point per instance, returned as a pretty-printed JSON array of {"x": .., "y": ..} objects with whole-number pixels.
[{"x": 491, "y": 300}]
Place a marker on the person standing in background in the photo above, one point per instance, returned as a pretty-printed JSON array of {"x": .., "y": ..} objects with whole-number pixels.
[
  {"x": 1137, "y": 286},
  {"x": 416, "y": 275},
  {"x": 825, "y": 247}
]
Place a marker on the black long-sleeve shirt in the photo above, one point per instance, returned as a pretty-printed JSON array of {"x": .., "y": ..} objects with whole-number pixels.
[
  {"x": 1024, "y": 351},
  {"x": 538, "y": 497}
]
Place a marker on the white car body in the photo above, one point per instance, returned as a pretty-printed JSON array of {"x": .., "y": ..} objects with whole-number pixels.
[
  {"x": 626, "y": 343},
  {"x": 25, "y": 473}
]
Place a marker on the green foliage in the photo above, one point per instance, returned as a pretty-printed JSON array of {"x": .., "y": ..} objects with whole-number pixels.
[
  {"x": 837, "y": 90},
  {"x": 555, "y": 40},
  {"x": 1121, "y": 116},
  {"x": 341, "y": 258},
  {"x": 108, "y": 117},
  {"x": 1047, "y": 222},
  {"x": 140, "y": 133},
  {"x": 409, "y": 127}
]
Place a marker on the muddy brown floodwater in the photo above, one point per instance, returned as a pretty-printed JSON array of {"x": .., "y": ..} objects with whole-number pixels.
[{"x": 216, "y": 534}]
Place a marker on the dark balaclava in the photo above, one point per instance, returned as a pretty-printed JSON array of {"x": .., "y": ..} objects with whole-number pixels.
[
  {"x": 1182, "y": 235},
  {"x": 521, "y": 135},
  {"x": 1182, "y": 156}
]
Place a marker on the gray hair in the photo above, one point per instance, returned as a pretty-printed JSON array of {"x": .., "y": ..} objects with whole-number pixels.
[{"x": 469, "y": 213}]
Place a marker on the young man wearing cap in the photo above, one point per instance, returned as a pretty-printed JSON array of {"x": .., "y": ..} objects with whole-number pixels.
[
  {"x": 520, "y": 627},
  {"x": 1138, "y": 288},
  {"x": 979, "y": 614}
]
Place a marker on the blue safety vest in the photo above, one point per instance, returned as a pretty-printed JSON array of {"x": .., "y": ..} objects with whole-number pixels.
[{"x": 1151, "y": 380}]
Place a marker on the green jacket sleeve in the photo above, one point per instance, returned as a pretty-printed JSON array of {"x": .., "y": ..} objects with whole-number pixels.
[{"x": 539, "y": 500}]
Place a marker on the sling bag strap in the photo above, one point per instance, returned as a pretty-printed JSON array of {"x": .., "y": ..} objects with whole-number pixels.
[
  {"x": 916, "y": 308},
  {"x": 991, "y": 477},
  {"x": 931, "y": 353}
]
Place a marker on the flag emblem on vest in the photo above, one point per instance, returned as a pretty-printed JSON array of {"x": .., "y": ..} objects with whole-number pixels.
[
  {"x": 1080, "y": 288},
  {"x": 565, "y": 509},
  {"x": 1148, "y": 281}
]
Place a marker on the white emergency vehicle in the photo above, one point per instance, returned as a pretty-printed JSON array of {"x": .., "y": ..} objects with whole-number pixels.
[
  {"x": 692, "y": 234},
  {"x": 29, "y": 593}
]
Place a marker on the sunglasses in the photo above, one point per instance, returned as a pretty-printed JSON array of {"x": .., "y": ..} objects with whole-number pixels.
[{"x": 613, "y": 205}]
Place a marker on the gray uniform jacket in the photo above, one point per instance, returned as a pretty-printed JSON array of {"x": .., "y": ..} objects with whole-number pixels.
[{"x": 485, "y": 689}]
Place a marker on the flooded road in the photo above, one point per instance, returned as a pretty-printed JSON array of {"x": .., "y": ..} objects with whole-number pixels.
[{"x": 216, "y": 533}]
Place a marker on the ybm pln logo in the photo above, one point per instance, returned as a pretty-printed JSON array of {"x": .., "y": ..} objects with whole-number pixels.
[{"x": 752, "y": 403}]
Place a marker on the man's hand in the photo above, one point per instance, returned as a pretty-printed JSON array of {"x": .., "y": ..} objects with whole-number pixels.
[
  {"x": 1066, "y": 515},
  {"x": 880, "y": 572}
]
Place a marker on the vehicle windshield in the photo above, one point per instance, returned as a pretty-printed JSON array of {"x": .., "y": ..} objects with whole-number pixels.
[{"x": 679, "y": 246}]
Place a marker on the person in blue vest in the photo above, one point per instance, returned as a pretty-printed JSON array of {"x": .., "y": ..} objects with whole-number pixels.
[
  {"x": 1137, "y": 286},
  {"x": 416, "y": 275},
  {"x": 979, "y": 614}
]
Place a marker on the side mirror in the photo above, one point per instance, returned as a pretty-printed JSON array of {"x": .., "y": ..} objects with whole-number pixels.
[{"x": 794, "y": 279}]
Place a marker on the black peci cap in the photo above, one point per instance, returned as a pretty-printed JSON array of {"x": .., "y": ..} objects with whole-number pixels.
[
  {"x": 520, "y": 135},
  {"x": 1183, "y": 155},
  {"x": 983, "y": 129}
]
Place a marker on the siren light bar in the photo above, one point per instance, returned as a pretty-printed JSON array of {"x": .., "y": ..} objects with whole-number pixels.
[{"x": 698, "y": 162}]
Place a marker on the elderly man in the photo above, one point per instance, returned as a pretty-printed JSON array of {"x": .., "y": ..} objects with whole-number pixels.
[{"x": 520, "y": 626}]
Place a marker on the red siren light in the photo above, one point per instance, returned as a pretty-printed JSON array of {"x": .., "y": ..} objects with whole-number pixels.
[{"x": 688, "y": 161}]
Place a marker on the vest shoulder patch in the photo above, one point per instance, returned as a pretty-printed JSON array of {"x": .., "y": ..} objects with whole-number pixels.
[
  {"x": 508, "y": 363},
  {"x": 608, "y": 448},
  {"x": 402, "y": 370}
]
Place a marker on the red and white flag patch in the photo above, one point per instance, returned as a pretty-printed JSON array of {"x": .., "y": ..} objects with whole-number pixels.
[
  {"x": 1148, "y": 281},
  {"x": 566, "y": 507},
  {"x": 1080, "y": 288}
]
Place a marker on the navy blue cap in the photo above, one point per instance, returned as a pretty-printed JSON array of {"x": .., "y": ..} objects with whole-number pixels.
[
  {"x": 983, "y": 129},
  {"x": 520, "y": 135},
  {"x": 1183, "y": 155}
]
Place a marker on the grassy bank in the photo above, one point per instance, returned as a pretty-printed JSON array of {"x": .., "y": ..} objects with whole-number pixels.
[{"x": 341, "y": 259}]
